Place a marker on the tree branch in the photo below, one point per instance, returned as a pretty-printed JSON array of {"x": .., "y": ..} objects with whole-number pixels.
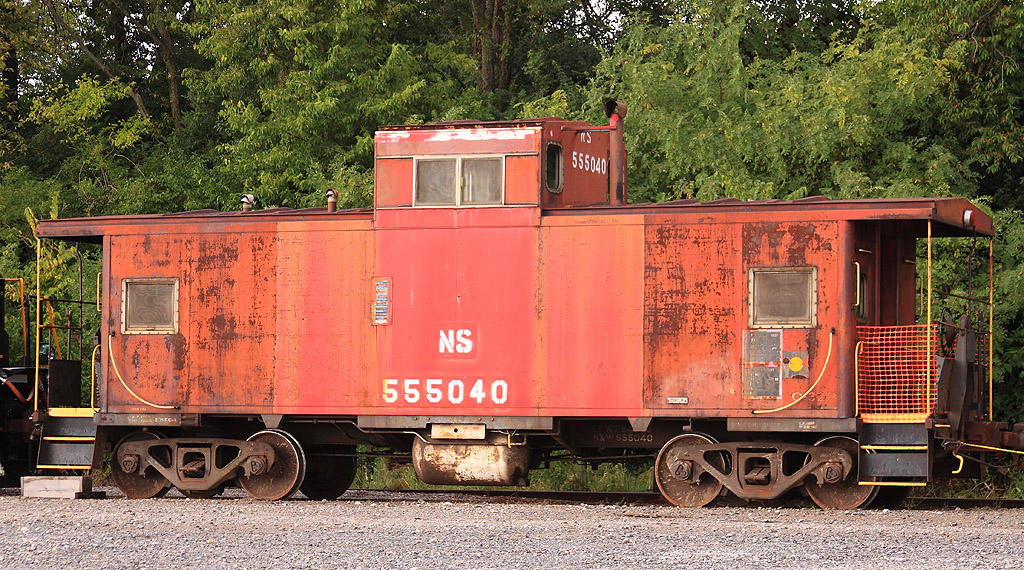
[
  {"x": 162, "y": 38},
  {"x": 61, "y": 24}
]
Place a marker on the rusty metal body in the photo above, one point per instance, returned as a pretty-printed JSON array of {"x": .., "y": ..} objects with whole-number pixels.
[
  {"x": 620, "y": 312},
  {"x": 547, "y": 308}
]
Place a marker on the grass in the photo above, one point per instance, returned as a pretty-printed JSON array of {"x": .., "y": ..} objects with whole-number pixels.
[
  {"x": 375, "y": 473},
  {"x": 991, "y": 485}
]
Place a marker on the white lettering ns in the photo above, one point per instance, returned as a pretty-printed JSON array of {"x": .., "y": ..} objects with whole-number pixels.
[{"x": 452, "y": 341}]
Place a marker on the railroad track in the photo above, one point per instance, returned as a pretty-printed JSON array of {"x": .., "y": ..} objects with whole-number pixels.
[{"x": 651, "y": 498}]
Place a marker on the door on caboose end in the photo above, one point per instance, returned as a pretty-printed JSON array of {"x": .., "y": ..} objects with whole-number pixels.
[
  {"x": 866, "y": 260},
  {"x": 884, "y": 270}
]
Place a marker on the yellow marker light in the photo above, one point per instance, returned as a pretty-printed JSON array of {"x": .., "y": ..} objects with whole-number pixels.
[{"x": 796, "y": 364}]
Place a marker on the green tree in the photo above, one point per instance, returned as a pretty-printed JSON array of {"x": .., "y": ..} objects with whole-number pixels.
[
  {"x": 847, "y": 121},
  {"x": 17, "y": 35},
  {"x": 983, "y": 110},
  {"x": 301, "y": 86}
]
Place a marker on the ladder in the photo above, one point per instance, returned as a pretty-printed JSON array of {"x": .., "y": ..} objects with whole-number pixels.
[{"x": 68, "y": 439}]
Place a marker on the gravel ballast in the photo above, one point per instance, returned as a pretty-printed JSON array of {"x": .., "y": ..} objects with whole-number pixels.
[{"x": 380, "y": 530}]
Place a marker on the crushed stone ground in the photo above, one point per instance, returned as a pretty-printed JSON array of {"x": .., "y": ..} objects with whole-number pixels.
[{"x": 367, "y": 529}]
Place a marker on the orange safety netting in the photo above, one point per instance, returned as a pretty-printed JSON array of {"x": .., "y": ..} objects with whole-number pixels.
[{"x": 894, "y": 382}]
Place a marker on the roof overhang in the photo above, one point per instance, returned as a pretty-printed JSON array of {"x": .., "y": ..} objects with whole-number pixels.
[{"x": 92, "y": 230}]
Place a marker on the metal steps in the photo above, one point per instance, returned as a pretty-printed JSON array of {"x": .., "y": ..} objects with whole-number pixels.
[
  {"x": 68, "y": 439},
  {"x": 894, "y": 454}
]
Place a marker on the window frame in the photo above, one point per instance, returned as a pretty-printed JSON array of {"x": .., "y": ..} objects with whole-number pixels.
[
  {"x": 458, "y": 158},
  {"x": 752, "y": 320},
  {"x": 561, "y": 168},
  {"x": 125, "y": 329}
]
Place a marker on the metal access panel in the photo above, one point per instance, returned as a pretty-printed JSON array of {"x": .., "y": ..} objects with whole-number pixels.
[
  {"x": 761, "y": 382},
  {"x": 762, "y": 364},
  {"x": 762, "y": 346}
]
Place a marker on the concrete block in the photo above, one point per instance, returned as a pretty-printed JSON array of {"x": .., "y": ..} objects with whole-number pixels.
[{"x": 51, "y": 487}]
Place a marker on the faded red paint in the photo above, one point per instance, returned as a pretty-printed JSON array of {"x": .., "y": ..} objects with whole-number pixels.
[
  {"x": 393, "y": 182},
  {"x": 456, "y": 139},
  {"x": 522, "y": 179},
  {"x": 600, "y": 311}
]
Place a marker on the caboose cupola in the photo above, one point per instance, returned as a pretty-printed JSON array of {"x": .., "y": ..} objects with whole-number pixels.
[{"x": 548, "y": 162}]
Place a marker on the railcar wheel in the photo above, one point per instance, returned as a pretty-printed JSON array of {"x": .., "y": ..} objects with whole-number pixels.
[
  {"x": 282, "y": 478},
  {"x": 672, "y": 473},
  {"x": 143, "y": 482},
  {"x": 328, "y": 476},
  {"x": 846, "y": 494}
]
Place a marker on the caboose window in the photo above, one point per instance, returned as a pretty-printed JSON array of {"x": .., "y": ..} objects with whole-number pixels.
[
  {"x": 149, "y": 306},
  {"x": 553, "y": 168},
  {"x": 783, "y": 297},
  {"x": 462, "y": 181},
  {"x": 435, "y": 182},
  {"x": 481, "y": 180}
]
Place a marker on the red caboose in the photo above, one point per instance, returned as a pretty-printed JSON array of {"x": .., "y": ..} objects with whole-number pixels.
[{"x": 501, "y": 304}]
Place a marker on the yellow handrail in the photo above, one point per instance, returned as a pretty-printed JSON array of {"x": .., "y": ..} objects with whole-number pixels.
[
  {"x": 930, "y": 356},
  {"x": 991, "y": 329},
  {"x": 856, "y": 378},
  {"x": 92, "y": 378},
  {"x": 39, "y": 306}
]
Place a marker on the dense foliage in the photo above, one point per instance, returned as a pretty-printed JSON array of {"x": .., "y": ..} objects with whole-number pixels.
[{"x": 129, "y": 106}]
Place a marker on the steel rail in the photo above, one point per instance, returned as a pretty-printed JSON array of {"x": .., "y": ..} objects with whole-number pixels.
[{"x": 652, "y": 498}]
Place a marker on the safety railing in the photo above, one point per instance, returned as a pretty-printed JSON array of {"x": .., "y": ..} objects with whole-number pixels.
[
  {"x": 895, "y": 373},
  {"x": 897, "y": 369},
  {"x": 47, "y": 327}
]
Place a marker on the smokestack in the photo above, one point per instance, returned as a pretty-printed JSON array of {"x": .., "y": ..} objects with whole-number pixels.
[
  {"x": 247, "y": 202},
  {"x": 332, "y": 200},
  {"x": 617, "y": 150}
]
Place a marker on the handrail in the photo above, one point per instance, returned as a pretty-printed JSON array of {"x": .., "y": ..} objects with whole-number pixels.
[
  {"x": 928, "y": 319},
  {"x": 53, "y": 325},
  {"x": 72, "y": 301},
  {"x": 17, "y": 393},
  {"x": 856, "y": 281},
  {"x": 39, "y": 306},
  {"x": 856, "y": 378},
  {"x": 991, "y": 330},
  {"x": 92, "y": 378},
  {"x": 53, "y": 337}
]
